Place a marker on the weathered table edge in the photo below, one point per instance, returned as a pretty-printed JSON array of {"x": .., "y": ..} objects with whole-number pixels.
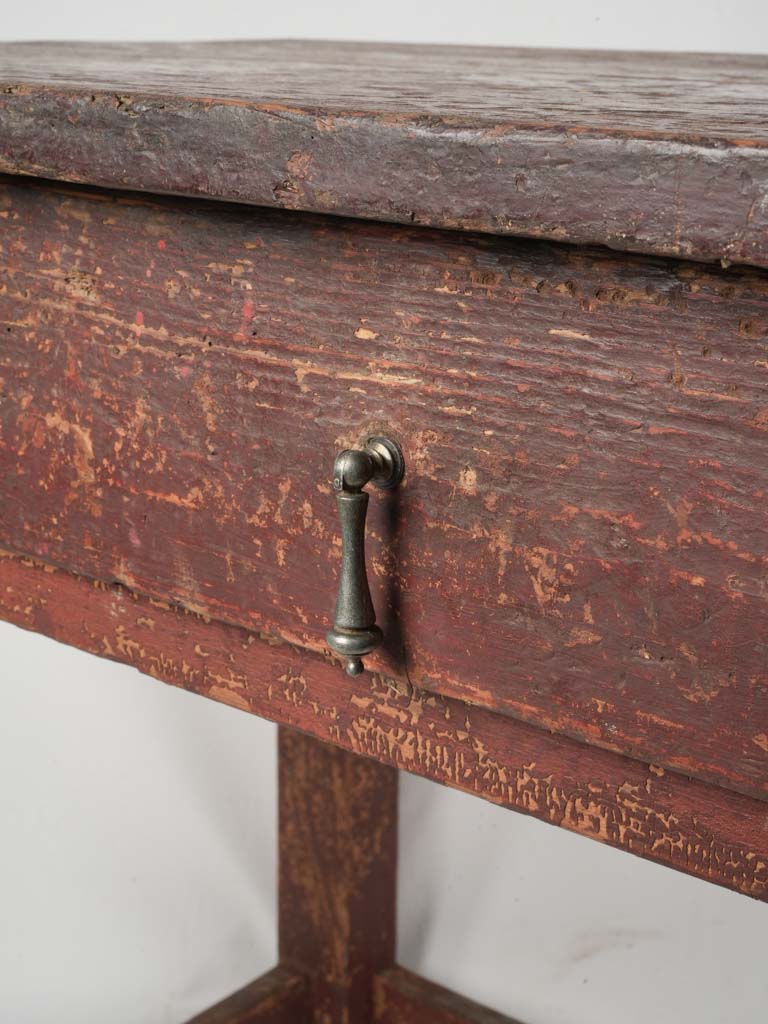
[
  {"x": 495, "y": 180},
  {"x": 664, "y": 817}
]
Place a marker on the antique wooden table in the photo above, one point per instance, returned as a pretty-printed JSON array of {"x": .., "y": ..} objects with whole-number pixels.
[{"x": 545, "y": 277}]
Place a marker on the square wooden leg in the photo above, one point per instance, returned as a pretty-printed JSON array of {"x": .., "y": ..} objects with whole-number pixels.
[
  {"x": 337, "y": 904},
  {"x": 337, "y": 872}
]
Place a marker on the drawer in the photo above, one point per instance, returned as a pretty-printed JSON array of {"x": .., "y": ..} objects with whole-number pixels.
[{"x": 580, "y": 539}]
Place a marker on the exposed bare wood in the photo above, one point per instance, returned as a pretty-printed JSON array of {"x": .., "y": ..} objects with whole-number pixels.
[
  {"x": 694, "y": 827},
  {"x": 578, "y": 541}
]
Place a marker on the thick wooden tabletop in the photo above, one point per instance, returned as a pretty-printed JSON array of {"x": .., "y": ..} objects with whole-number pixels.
[{"x": 659, "y": 153}]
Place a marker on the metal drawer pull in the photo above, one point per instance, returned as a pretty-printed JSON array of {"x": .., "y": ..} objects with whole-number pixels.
[{"x": 355, "y": 632}]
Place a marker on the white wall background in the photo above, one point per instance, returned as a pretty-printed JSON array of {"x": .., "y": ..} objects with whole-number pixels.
[
  {"x": 137, "y": 822},
  {"x": 708, "y": 25}
]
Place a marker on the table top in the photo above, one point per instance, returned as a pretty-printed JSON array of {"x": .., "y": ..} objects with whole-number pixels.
[{"x": 653, "y": 152}]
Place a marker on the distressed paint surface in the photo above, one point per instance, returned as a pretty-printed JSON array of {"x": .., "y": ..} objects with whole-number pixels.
[
  {"x": 579, "y": 541},
  {"x": 681, "y": 823},
  {"x": 576, "y": 146}
]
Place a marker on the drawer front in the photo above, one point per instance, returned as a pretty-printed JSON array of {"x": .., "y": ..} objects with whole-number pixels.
[{"x": 580, "y": 539}]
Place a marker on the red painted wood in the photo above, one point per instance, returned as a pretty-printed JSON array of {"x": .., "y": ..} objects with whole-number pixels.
[
  {"x": 572, "y": 576},
  {"x": 579, "y": 540},
  {"x": 661, "y": 153},
  {"x": 279, "y": 997},
  {"x": 338, "y": 873},
  {"x": 404, "y": 998},
  {"x": 691, "y": 826}
]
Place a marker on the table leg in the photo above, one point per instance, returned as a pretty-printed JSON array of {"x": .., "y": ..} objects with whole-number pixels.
[
  {"x": 337, "y": 904},
  {"x": 337, "y": 875}
]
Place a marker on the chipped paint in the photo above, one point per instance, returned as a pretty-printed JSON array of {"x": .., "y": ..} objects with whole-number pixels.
[
  {"x": 717, "y": 835},
  {"x": 567, "y": 506}
]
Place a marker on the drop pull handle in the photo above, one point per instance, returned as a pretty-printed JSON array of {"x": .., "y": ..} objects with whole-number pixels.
[{"x": 380, "y": 462}]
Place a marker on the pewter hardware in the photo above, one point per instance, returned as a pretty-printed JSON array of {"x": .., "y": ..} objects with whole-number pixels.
[{"x": 380, "y": 462}]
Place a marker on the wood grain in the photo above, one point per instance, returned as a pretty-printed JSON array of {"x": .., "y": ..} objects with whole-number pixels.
[
  {"x": 279, "y": 997},
  {"x": 337, "y": 824},
  {"x": 402, "y": 997},
  {"x": 677, "y": 822},
  {"x": 659, "y": 153},
  {"x": 580, "y": 538}
]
